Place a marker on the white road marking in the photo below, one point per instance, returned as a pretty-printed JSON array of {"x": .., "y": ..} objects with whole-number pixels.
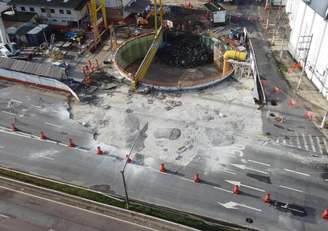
[
  {"x": 298, "y": 141},
  {"x": 312, "y": 144},
  {"x": 9, "y": 113},
  {"x": 305, "y": 143},
  {"x": 230, "y": 172},
  {"x": 258, "y": 162},
  {"x": 53, "y": 125},
  {"x": 293, "y": 189},
  {"x": 319, "y": 144},
  {"x": 278, "y": 140},
  {"x": 241, "y": 166},
  {"x": 4, "y": 216},
  {"x": 326, "y": 179},
  {"x": 233, "y": 205},
  {"x": 74, "y": 207},
  {"x": 222, "y": 189},
  {"x": 46, "y": 157},
  {"x": 243, "y": 185},
  {"x": 16, "y": 101},
  {"x": 300, "y": 173},
  {"x": 284, "y": 141},
  {"x": 325, "y": 143}
]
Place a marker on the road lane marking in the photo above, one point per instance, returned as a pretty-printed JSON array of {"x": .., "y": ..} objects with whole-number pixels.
[
  {"x": 53, "y": 125},
  {"x": 16, "y": 101},
  {"x": 229, "y": 172},
  {"x": 234, "y": 205},
  {"x": 4, "y": 216},
  {"x": 222, "y": 189},
  {"x": 244, "y": 185},
  {"x": 326, "y": 179},
  {"x": 298, "y": 141},
  {"x": 258, "y": 162},
  {"x": 244, "y": 167},
  {"x": 312, "y": 143},
  {"x": 293, "y": 189},
  {"x": 300, "y": 173},
  {"x": 9, "y": 113},
  {"x": 319, "y": 144},
  {"x": 74, "y": 207},
  {"x": 305, "y": 143}
]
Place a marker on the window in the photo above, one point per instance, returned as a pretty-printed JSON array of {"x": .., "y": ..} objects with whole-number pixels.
[
  {"x": 43, "y": 10},
  {"x": 68, "y": 12},
  {"x": 52, "y": 11},
  {"x": 23, "y": 8},
  {"x": 61, "y": 11},
  {"x": 54, "y": 20},
  {"x": 31, "y": 9}
]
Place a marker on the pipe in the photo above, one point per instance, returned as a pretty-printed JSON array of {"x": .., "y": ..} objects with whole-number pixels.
[{"x": 232, "y": 54}]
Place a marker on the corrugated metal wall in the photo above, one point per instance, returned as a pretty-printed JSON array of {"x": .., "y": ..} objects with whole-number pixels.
[{"x": 304, "y": 21}]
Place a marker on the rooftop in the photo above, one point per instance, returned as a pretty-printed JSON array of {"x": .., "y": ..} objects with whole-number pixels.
[
  {"x": 75, "y": 4},
  {"x": 40, "y": 69}
]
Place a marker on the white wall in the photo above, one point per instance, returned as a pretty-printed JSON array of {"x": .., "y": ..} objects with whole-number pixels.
[
  {"x": 56, "y": 18},
  {"x": 305, "y": 21}
]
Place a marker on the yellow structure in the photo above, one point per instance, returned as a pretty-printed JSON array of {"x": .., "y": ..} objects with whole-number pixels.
[
  {"x": 158, "y": 35},
  {"x": 232, "y": 54},
  {"x": 99, "y": 25}
]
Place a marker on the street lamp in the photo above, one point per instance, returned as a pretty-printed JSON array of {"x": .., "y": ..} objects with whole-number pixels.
[{"x": 127, "y": 161}]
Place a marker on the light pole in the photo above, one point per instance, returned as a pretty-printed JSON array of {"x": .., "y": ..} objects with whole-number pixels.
[{"x": 127, "y": 161}]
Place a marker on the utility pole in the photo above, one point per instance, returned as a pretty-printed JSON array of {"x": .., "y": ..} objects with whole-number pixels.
[{"x": 126, "y": 162}]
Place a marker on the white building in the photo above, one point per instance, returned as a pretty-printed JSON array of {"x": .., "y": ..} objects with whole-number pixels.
[
  {"x": 308, "y": 21},
  {"x": 67, "y": 13}
]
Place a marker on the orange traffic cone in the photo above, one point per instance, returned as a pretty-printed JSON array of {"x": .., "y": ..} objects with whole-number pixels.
[
  {"x": 162, "y": 168},
  {"x": 324, "y": 214},
  {"x": 42, "y": 136},
  {"x": 71, "y": 143},
  {"x": 266, "y": 198},
  {"x": 308, "y": 115},
  {"x": 128, "y": 159},
  {"x": 196, "y": 178},
  {"x": 291, "y": 103},
  {"x": 13, "y": 127},
  {"x": 275, "y": 89},
  {"x": 99, "y": 151},
  {"x": 264, "y": 82},
  {"x": 235, "y": 189}
]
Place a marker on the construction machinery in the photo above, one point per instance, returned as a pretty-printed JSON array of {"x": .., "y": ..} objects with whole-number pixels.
[
  {"x": 98, "y": 20},
  {"x": 158, "y": 12}
]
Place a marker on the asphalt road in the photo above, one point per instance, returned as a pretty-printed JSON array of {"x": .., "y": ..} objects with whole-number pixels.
[
  {"x": 22, "y": 211},
  {"x": 290, "y": 163}
]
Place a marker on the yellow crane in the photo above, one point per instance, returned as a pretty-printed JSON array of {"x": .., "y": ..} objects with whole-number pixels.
[
  {"x": 99, "y": 25},
  {"x": 158, "y": 36}
]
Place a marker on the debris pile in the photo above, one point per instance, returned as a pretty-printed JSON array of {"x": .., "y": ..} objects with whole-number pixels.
[{"x": 184, "y": 50}]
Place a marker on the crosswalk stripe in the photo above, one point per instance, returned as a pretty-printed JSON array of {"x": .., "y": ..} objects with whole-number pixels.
[
  {"x": 305, "y": 143},
  {"x": 326, "y": 146},
  {"x": 298, "y": 142},
  {"x": 312, "y": 143},
  {"x": 319, "y": 144}
]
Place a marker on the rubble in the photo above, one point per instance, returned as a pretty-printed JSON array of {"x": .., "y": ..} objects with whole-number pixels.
[{"x": 184, "y": 50}]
